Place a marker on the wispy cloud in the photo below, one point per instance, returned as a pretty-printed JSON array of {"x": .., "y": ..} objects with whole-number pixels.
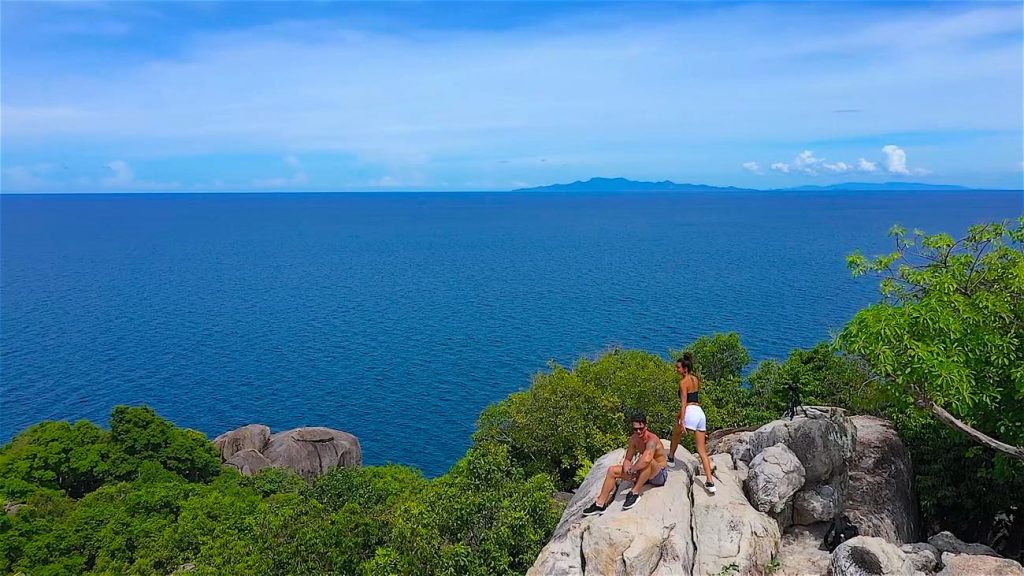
[
  {"x": 610, "y": 87},
  {"x": 895, "y": 161}
]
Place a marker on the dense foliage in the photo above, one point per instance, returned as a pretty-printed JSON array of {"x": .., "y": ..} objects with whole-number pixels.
[
  {"x": 145, "y": 497},
  {"x": 947, "y": 345}
]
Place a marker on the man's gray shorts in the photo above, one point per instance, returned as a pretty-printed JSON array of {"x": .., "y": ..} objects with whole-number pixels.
[{"x": 660, "y": 478}]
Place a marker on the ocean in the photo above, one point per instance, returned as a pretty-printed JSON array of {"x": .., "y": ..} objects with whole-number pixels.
[{"x": 399, "y": 317}]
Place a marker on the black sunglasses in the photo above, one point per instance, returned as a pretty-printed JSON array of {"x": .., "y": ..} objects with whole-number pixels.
[{"x": 635, "y": 429}]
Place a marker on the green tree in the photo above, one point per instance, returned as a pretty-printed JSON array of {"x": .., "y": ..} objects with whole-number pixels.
[{"x": 949, "y": 333}]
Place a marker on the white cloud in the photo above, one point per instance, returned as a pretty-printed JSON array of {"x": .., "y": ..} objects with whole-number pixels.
[
  {"x": 298, "y": 177},
  {"x": 781, "y": 167},
  {"x": 752, "y": 167},
  {"x": 124, "y": 179},
  {"x": 838, "y": 167},
  {"x": 26, "y": 178},
  {"x": 123, "y": 175},
  {"x": 895, "y": 160},
  {"x": 866, "y": 166}
]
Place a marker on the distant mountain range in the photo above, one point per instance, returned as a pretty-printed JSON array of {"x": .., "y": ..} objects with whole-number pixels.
[{"x": 625, "y": 185}]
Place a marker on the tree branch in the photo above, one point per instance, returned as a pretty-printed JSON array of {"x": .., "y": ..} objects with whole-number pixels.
[{"x": 976, "y": 435}]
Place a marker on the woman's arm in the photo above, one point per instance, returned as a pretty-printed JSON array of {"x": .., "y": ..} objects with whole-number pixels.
[{"x": 682, "y": 396}]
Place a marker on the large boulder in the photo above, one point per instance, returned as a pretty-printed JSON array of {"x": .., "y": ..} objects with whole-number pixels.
[
  {"x": 975, "y": 565},
  {"x": 869, "y": 556},
  {"x": 728, "y": 531},
  {"x": 250, "y": 437},
  {"x": 775, "y": 475},
  {"x": 308, "y": 451},
  {"x": 653, "y": 537},
  {"x": 821, "y": 437},
  {"x": 313, "y": 451},
  {"x": 947, "y": 542},
  {"x": 880, "y": 498}
]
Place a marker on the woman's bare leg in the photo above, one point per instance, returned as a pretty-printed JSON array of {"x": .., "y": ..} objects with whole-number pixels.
[
  {"x": 677, "y": 432},
  {"x": 703, "y": 451}
]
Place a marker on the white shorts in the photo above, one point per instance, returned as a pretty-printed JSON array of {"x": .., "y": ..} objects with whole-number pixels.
[{"x": 694, "y": 418}]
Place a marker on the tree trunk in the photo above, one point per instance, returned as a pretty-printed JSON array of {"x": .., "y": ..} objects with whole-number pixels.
[{"x": 976, "y": 435}]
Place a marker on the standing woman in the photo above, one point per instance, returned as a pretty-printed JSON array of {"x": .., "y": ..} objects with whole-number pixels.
[{"x": 691, "y": 417}]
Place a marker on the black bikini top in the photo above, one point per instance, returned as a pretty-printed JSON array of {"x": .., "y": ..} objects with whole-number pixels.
[{"x": 691, "y": 397}]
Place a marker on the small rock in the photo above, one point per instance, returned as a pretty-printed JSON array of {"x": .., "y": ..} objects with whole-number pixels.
[
  {"x": 248, "y": 462},
  {"x": 923, "y": 556},
  {"x": 978, "y": 565},
  {"x": 11, "y": 508},
  {"x": 947, "y": 542},
  {"x": 869, "y": 556},
  {"x": 818, "y": 504},
  {"x": 775, "y": 475}
]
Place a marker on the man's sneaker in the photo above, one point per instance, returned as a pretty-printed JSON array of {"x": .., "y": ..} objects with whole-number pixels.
[
  {"x": 710, "y": 487},
  {"x": 594, "y": 509},
  {"x": 671, "y": 462},
  {"x": 631, "y": 499}
]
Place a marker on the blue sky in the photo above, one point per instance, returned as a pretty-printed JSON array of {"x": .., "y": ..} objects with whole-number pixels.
[{"x": 203, "y": 96}]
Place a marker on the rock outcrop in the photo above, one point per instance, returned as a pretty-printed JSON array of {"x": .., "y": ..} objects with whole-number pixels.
[
  {"x": 678, "y": 528},
  {"x": 794, "y": 476},
  {"x": 308, "y": 451},
  {"x": 880, "y": 499},
  {"x": 728, "y": 531}
]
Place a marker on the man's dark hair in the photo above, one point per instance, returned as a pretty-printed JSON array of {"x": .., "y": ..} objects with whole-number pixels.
[{"x": 638, "y": 416}]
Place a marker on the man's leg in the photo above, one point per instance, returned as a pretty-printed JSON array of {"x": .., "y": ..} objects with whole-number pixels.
[
  {"x": 614, "y": 473},
  {"x": 645, "y": 475}
]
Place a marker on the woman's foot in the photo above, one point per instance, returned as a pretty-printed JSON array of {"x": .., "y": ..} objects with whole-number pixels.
[
  {"x": 594, "y": 509},
  {"x": 671, "y": 462},
  {"x": 710, "y": 487}
]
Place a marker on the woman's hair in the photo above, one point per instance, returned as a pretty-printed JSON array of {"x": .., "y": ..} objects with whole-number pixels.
[{"x": 687, "y": 361}]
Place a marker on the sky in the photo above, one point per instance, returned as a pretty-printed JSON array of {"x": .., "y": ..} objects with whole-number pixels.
[{"x": 327, "y": 96}]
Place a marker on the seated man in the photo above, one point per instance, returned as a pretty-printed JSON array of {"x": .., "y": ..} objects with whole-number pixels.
[{"x": 649, "y": 467}]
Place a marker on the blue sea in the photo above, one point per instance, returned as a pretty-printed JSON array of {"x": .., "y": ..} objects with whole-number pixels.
[{"x": 399, "y": 317}]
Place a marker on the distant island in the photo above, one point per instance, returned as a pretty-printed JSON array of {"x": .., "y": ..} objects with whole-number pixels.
[{"x": 626, "y": 185}]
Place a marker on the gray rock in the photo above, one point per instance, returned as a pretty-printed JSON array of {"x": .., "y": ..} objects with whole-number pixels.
[
  {"x": 727, "y": 530},
  {"x": 250, "y": 437},
  {"x": 11, "y": 508},
  {"x": 823, "y": 439},
  {"x": 869, "y": 556},
  {"x": 775, "y": 475},
  {"x": 947, "y": 542},
  {"x": 313, "y": 451},
  {"x": 880, "y": 500},
  {"x": 652, "y": 538},
  {"x": 248, "y": 462},
  {"x": 978, "y": 565},
  {"x": 923, "y": 556},
  {"x": 818, "y": 504}
]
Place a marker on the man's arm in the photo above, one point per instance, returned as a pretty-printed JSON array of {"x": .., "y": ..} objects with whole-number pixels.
[
  {"x": 627, "y": 460},
  {"x": 647, "y": 456}
]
